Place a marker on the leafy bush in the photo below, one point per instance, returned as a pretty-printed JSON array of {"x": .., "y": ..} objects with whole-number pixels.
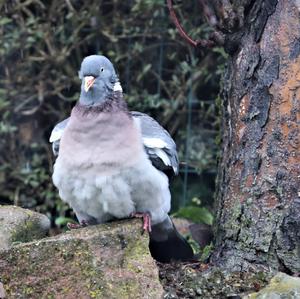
[{"x": 42, "y": 45}]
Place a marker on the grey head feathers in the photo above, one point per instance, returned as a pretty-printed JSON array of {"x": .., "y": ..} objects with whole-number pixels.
[{"x": 98, "y": 80}]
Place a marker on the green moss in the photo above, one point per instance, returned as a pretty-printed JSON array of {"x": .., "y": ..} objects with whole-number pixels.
[
  {"x": 95, "y": 294},
  {"x": 136, "y": 252},
  {"x": 28, "y": 290},
  {"x": 127, "y": 289},
  {"x": 112, "y": 263},
  {"x": 281, "y": 285},
  {"x": 206, "y": 252},
  {"x": 232, "y": 224},
  {"x": 26, "y": 232}
]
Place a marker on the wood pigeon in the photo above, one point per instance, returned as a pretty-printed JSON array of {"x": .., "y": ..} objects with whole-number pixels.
[{"x": 110, "y": 162}]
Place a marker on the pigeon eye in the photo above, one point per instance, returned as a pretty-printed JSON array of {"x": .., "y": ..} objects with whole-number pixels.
[{"x": 102, "y": 69}]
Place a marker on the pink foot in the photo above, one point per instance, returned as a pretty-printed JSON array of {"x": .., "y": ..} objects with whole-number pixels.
[
  {"x": 83, "y": 223},
  {"x": 146, "y": 220}
]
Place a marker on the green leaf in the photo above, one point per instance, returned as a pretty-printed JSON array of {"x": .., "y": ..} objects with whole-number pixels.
[
  {"x": 4, "y": 21},
  {"x": 195, "y": 214},
  {"x": 62, "y": 221},
  {"x": 206, "y": 252}
]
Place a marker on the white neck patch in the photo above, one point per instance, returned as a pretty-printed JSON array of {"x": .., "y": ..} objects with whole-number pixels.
[{"x": 118, "y": 87}]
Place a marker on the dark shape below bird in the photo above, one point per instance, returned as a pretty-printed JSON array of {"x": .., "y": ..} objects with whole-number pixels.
[{"x": 110, "y": 162}]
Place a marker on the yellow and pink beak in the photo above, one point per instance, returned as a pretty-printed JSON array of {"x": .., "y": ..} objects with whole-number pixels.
[{"x": 88, "y": 82}]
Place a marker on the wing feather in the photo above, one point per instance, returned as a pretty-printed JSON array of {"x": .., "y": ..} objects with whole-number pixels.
[
  {"x": 56, "y": 135},
  {"x": 158, "y": 143}
]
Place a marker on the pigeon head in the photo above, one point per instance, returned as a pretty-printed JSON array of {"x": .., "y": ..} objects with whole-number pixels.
[{"x": 99, "y": 80}]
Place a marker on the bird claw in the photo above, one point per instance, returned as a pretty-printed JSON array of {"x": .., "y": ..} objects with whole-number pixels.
[
  {"x": 146, "y": 220},
  {"x": 82, "y": 224}
]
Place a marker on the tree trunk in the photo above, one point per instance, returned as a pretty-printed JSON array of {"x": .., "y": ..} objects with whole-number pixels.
[{"x": 258, "y": 204}]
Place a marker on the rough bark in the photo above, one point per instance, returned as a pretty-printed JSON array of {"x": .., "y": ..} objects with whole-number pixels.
[{"x": 258, "y": 205}]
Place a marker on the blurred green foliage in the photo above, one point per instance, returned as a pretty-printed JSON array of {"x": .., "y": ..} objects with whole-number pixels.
[
  {"x": 42, "y": 45},
  {"x": 195, "y": 214}
]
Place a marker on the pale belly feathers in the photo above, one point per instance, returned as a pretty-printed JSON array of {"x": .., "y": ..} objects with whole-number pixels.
[{"x": 106, "y": 173}]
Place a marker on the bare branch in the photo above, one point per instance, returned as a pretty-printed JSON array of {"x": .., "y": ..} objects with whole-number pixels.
[{"x": 197, "y": 43}]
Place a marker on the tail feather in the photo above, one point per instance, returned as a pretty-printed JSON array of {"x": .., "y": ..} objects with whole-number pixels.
[{"x": 166, "y": 244}]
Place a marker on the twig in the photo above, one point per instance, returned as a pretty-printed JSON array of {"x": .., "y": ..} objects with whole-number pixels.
[
  {"x": 197, "y": 43},
  {"x": 70, "y": 6},
  {"x": 208, "y": 13}
]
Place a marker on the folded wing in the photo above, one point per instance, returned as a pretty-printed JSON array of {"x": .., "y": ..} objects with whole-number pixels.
[
  {"x": 56, "y": 135},
  {"x": 158, "y": 143}
]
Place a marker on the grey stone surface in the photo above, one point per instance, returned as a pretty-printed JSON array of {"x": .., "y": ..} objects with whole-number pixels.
[
  {"x": 21, "y": 225},
  {"x": 103, "y": 261},
  {"x": 2, "y": 291},
  {"x": 281, "y": 286}
]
